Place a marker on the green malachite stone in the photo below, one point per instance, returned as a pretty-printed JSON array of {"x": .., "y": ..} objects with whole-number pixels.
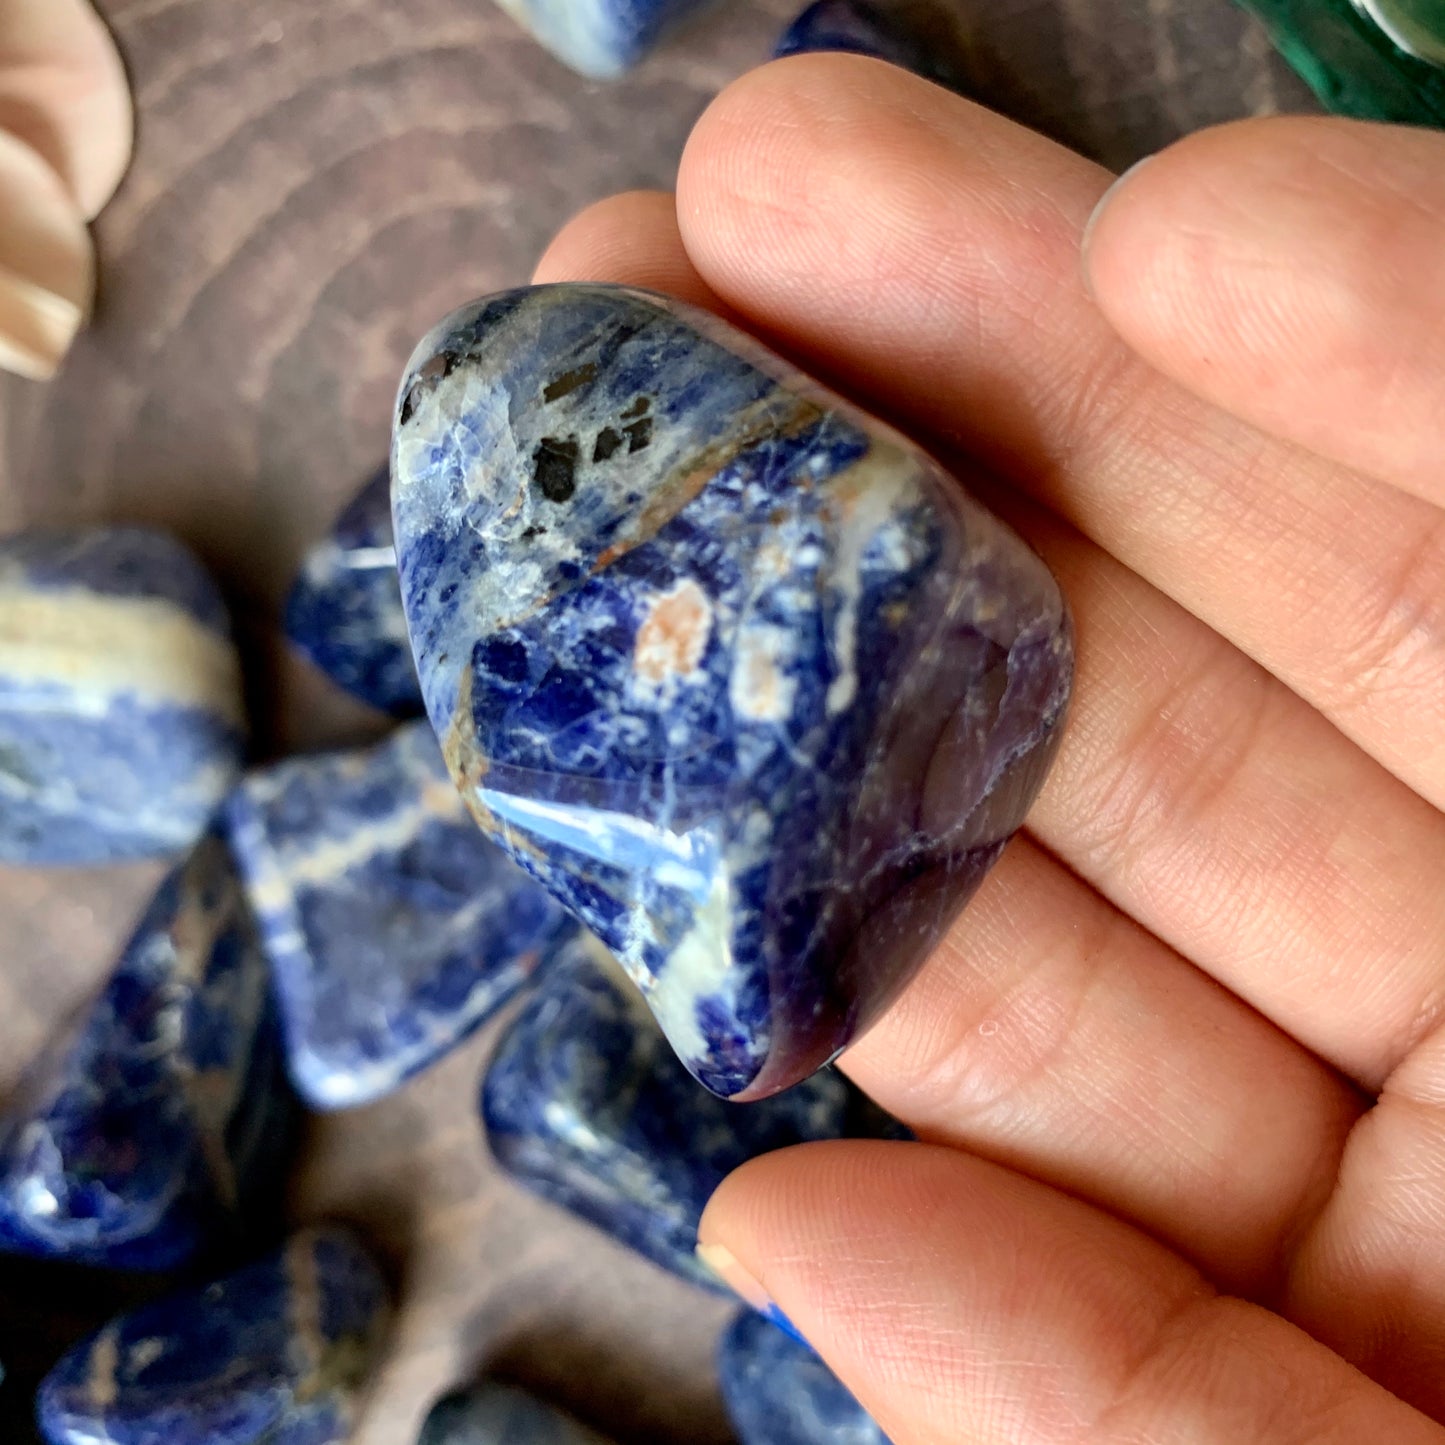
[{"x": 1355, "y": 67}]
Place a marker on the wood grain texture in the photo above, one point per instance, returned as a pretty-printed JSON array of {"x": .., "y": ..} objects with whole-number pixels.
[{"x": 315, "y": 184}]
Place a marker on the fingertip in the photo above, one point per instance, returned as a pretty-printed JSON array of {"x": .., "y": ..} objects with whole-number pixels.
[
  {"x": 1288, "y": 269},
  {"x": 631, "y": 239},
  {"x": 65, "y": 93}
]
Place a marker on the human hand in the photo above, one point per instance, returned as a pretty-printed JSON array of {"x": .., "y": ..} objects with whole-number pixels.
[
  {"x": 1180, "y": 1066},
  {"x": 65, "y": 138}
]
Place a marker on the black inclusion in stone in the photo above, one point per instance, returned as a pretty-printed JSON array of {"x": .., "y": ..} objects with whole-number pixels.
[
  {"x": 438, "y": 368},
  {"x": 608, "y": 441},
  {"x": 554, "y": 467}
]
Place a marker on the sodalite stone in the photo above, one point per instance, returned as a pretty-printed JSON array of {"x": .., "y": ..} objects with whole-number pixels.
[
  {"x": 275, "y": 1354},
  {"x": 394, "y": 928},
  {"x": 344, "y": 612},
  {"x": 739, "y": 673},
  {"x": 493, "y": 1414},
  {"x": 601, "y": 38},
  {"x": 778, "y": 1392},
  {"x": 585, "y": 1104},
  {"x": 150, "y": 1132},
  {"x": 121, "y": 721},
  {"x": 915, "y": 34}
]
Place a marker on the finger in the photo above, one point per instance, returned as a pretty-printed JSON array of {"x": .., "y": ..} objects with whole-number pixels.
[
  {"x": 952, "y": 297},
  {"x": 632, "y": 239},
  {"x": 63, "y": 91},
  {"x": 1048, "y": 1031},
  {"x": 963, "y": 1303},
  {"x": 1293, "y": 272},
  {"x": 46, "y": 264},
  {"x": 1211, "y": 804},
  {"x": 1377, "y": 1243}
]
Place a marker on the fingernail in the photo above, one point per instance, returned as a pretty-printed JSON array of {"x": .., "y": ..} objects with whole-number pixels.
[
  {"x": 723, "y": 1263},
  {"x": 1103, "y": 204},
  {"x": 46, "y": 264},
  {"x": 36, "y": 328}
]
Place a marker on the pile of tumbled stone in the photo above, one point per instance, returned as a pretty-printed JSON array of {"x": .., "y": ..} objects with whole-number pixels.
[{"x": 336, "y": 923}]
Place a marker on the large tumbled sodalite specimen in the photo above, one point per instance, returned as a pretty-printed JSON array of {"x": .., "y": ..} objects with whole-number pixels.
[
  {"x": 601, "y": 38},
  {"x": 158, "y": 1128},
  {"x": 778, "y": 1392},
  {"x": 275, "y": 1354},
  {"x": 495, "y": 1414},
  {"x": 121, "y": 720},
  {"x": 393, "y": 926},
  {"x": 918, "y": 35},
  {"x": 585, "y": 1104},
  {"x": 344, "y": 609},
  {"x": 736, "y": 671}
]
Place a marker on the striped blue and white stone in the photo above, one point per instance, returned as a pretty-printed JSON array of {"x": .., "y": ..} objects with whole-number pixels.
[
  {"x": 739, "y": 673},
  {"x": 121, "y": 716},
  {"x": 278, "y": 1353},
  {"x": 157, "y": 1129},
  {"x": 394, "y": 928}
]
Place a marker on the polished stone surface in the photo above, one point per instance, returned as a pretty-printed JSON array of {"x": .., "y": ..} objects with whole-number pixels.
[
  {"x": 393, "y": 926},
  {"x": 918, "y": 35},
  {"x": 778, "y": 1392},
  {"x": 601, "y": 38},
  {"x": 739, "y": 673},
  {"x": 275, "y": 1354},
  {"x": 121, "y": 719},
  {"x": 157, "y": 1127},
  {"x": 585, "y": 1104},
  {"x": 344, "y": 610},
  {"x": 495, "y": 1414}
]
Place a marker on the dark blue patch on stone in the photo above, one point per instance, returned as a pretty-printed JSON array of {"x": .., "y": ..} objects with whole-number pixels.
[
  {"x": 586, "y": 1105},
  {"x": 275, "y": 1354},
  {"x": 344, "y": 609},
  {"x": 778, "y": 1392},
  {"x": 918, "y": 35},
  {"x": 158, "y": 1129}
]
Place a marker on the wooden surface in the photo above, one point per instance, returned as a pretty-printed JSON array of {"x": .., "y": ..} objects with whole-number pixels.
[{"x": 316, "y": 182}]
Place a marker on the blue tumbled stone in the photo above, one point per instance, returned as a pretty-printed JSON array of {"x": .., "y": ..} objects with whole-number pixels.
[
  {"x": 778, "y": 1392},
  {"x": 344, "y": 610},
  {"x": 393, "y": 926},
  {"x": 275, "y": 1354},
  {"x": 494, "y": 1414},
  {"x": 121, "y": 720},
  {"x": 601, "y": 38},
  {"x": 585, "y": 1104},
  {"x": 158, "y": 1127},
  {"x": 739, "y": 673},
  {"x": 915, "y": 34}
]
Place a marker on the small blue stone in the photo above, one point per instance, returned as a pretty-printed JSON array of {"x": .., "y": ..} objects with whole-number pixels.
[
  {"x": 740, "y": 674},
  {"x": 585, "y": 1104},
  {"x": 275, "y": 1354},
  {"x": 394, "y": 928},
  {"x": 160, "y": 1128},
  {"x": 914, "y": 34},
  {"x": 601, "y": 38},
  {"x": 121, "y": 720},
  {"x": 493, "y": 1414},
  {"x": 344, "y": 612},
  {"x": 778, "y": 1392}
]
